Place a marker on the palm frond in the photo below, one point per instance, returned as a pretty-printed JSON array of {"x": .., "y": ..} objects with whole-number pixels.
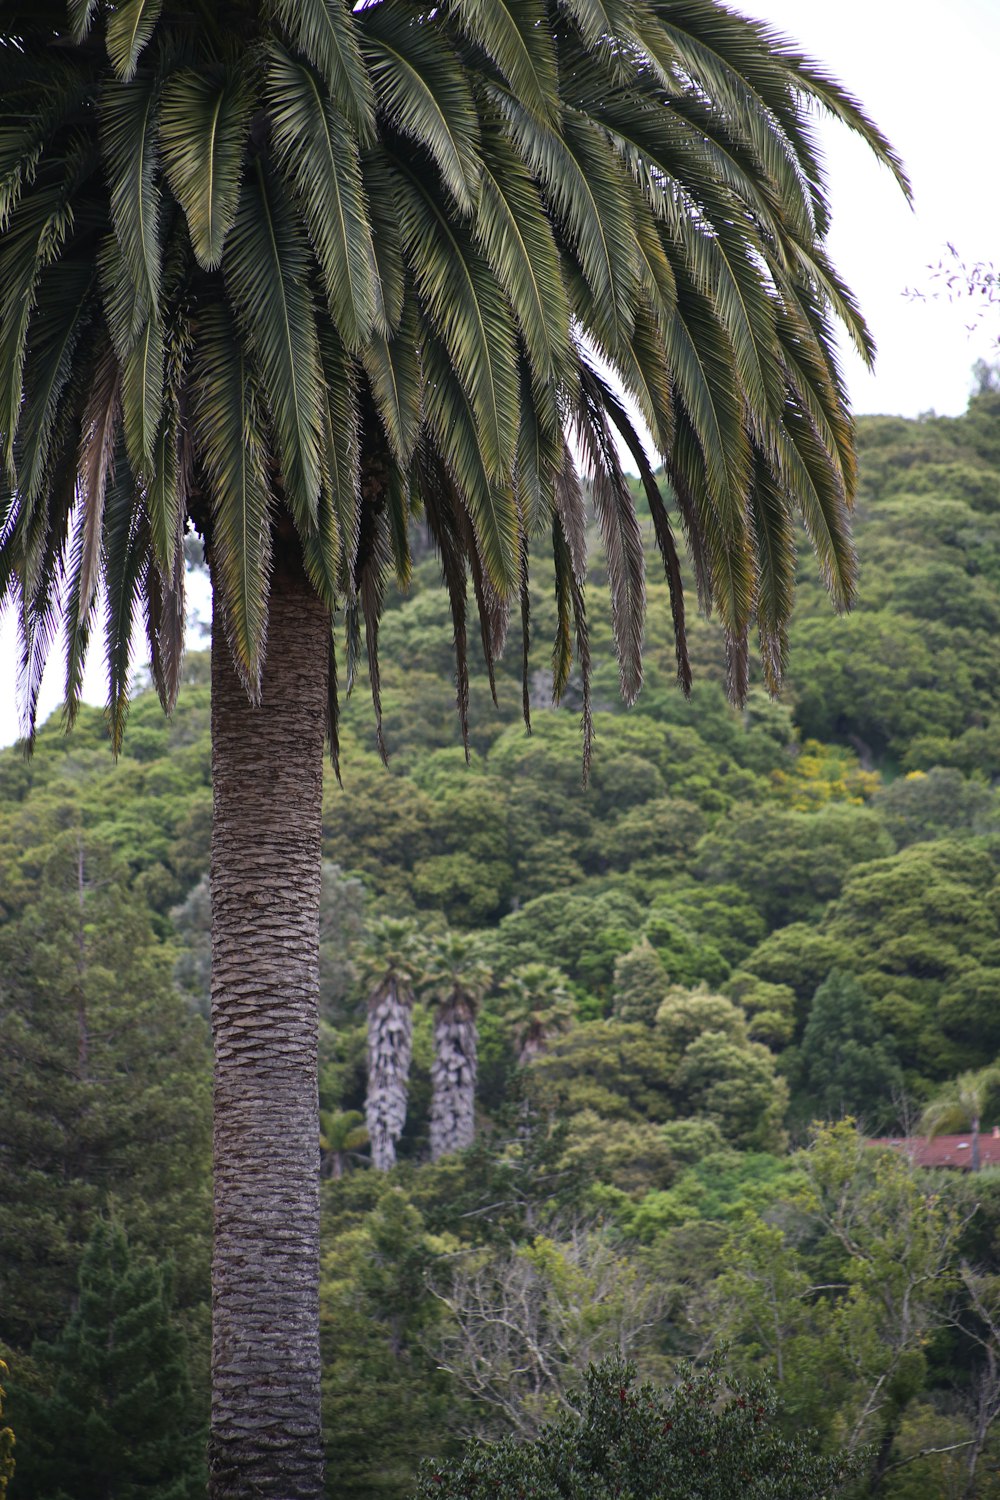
[
  {"x": 58, "y": 326},
  {"x": 165, "y": 618},
  {"x": 423, "y": 90},
  {"x": 230, "y": 442},
  {"x": 341, "y": 487},
  {"x": 516, "y": 38},
  {"x": 204, "y": 121},
  {"x": 774, "y": 545},
  {"x": 326, "y": 33},
  {"x": 267, "y": 269},
  {"x": 126, "y": 555},
  {"x": 317, "y": 151},
  {"x": 98, "y": 444},
  {"x": 662, "y": 528},
  {"x": 394, "y": 375},
  {"x": 490, "y": 503},
  {"x": 32, "y": 241},
  {"x": 130, "y": 26},
  {"x": 142, "y": 384},
  {"x": 370, "y": 579},
  {"x": 130, "y": 146},
  {"x": 443, "y": 512},
  {"x": 517, "y": 240},
  {"x": 582, "y": 182},
  {"x": 459, "y": 292}
]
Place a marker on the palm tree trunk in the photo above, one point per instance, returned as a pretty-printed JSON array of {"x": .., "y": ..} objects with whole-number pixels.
[
  {"x": 267, "y": 777},
  {"x": 390, "y": 1047},
  {"x": 453, "y": 1080}
]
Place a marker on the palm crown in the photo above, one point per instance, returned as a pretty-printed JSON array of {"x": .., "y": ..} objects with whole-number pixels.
[{"x": 298, "y": 268}]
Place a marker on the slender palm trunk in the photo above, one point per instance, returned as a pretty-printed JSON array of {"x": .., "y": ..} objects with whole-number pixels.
[
  {"x": 453, "y": 1079},
  {"x": 390, "y": 1046},
  {"x": 267, "y": 775}
]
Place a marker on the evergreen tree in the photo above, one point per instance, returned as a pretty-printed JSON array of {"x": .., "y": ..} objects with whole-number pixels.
[
  {"x": 849, "y": 1065},
  {"x": 118, "y": 1420},
  {"x": 104, "y": 1076},
  {"x": 707, "y": 1439}
]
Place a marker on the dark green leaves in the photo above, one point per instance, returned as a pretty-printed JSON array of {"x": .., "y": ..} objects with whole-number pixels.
[{"x": 204, "y": 119}]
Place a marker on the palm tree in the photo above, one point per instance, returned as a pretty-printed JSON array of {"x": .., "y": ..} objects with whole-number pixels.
[
  {"x": 959, "y": 1106},
  {"x": 391, "y": 964},
  {"x": 455, "y": 979},
  {"x": 341, "y": 1134},
  {"x": 537, "y": 1006},
  {"x": 285, "y": 272}
]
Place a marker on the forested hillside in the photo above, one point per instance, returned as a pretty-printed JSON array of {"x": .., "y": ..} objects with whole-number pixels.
[{"x": 744, "y": 924}]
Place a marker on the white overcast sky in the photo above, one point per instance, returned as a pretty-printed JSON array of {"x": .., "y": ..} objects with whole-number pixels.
[{"x": 927, "y": 74}]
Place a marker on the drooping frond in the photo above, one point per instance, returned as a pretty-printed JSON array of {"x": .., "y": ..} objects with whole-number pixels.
[
  {"x": 126, "y": 563},
  {"x": 459, "y": 292},
  {"x": 204, "y": 120},
  {"x": 516, "y": 38},
  {"x": 490, "y": 503},
  {"x": 326, "y": 33},
  {"x": 231, "y": 443},
  {"x": 267, "y": 268},
  {"x": 98, "y": 441},
  {"x": 317, "y": 150},
  {"x": 662, "y": 528},
  {"x": 423, "y": 89},
  {"x": 619, "y": 530},
  {"x": 130, "y": 26},
  {"x": 442, "y": 510}
]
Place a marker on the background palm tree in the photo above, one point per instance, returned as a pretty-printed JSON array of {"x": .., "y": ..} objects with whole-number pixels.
[
  {"x": 391, "y": 967},
  {"x": 341, "y": 1135},
  {"x": 290, "y": 271},
  {"x": 537, "y": 1004},
  {"x": 455, "y": 979},
  {"x": 959, "y": 1106}
]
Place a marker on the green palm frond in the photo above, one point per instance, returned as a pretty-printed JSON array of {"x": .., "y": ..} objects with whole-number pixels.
[
  {"x": 165, "y": 618},
  {"x": 231, "y": 443},
  {"x": 371, "y": 576},
  {"x": 33, "y": 240},
  {"x": 204, "y": 121},
  {"x": 774, "y": 545},
  {"x": 490, "y": 503},
  {"x": 341, "y": 486},
  {"x": 326, "y": 33},
  {"x": 514, "y": 35},
  {"x": 662, "y": 529},
  {"x": 130, "y": 26},
  {"x": 619, "y": 525},
  {"x": 394, "y": 375},
  {"x": 424, "y": 92},
  {"x": 583, "y": 185},
  {"x": 59, "y": 323},
  {"x": 459, "y": 292},
  {"x": 318, "y": 153},
  {"x": 442, "y": 510},
  {"x": 267, "y": 269},
  {"x": 126, "y": 554},
  {"x": 131, "y": 149},
  {"x": 98, "y": 448},
  {"x": 142, "y": 395},
  {"x": 518, "y": 242}
]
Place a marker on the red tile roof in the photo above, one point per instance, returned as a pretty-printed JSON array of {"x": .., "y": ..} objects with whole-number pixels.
[{"x": 945, "y": 1150}]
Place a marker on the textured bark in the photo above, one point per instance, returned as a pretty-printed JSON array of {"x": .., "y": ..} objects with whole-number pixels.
[
  {"x": 267, "y": 775},
  {"x": 390, "y": 1047},
  {"x": 453, "y": 1079}
]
